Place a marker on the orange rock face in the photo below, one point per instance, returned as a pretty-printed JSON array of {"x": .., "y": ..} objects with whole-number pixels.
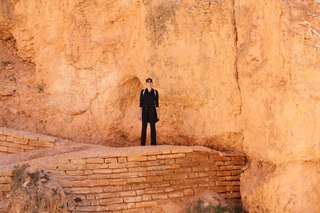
[
  {"x": 93, "y": 59},
  {"x": 278, "y": 66},
  {"x": 240, "y": 75}
]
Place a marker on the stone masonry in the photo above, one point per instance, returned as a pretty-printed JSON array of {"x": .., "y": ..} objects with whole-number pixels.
[{"x": 134, "y": 179}]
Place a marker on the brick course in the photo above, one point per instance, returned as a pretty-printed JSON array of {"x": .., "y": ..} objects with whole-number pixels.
[
  {"x": 134, "y": 182},
  {"x": 15, "y": 141},
  {"x": 108, "y": 184}
]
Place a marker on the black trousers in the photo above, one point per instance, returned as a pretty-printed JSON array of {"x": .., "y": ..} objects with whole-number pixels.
[
  {"x": 144, "y": 133},
  {"x": 149, "y": 115}
]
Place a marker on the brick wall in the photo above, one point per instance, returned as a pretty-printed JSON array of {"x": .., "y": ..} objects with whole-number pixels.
[
  {"x": 142, "y": 178},
  {"x": 5, "y": 182},
  {"x": 14, "y": 141}
]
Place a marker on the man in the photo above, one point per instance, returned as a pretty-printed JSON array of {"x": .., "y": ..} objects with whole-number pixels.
[{"x": 149, "y": 105}]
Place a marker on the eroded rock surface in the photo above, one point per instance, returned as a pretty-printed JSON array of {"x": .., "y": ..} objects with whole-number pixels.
[{"x": 240, "y": 75}]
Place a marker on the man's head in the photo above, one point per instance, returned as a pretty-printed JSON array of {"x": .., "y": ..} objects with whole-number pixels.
[{"x": 149, "y": 82}]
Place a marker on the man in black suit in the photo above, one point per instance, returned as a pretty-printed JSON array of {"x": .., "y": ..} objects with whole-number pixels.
[{"x": 149, "y": 105}]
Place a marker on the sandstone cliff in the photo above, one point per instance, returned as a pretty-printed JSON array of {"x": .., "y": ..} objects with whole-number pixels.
[{"x": 235, "y": 74}]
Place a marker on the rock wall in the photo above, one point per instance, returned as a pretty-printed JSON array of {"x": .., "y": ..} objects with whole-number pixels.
[
  {"x": 92, "y": 59},
  {"x": 15, "y": 141},
  {"x": 135, "y": 179},
  {"x": 278, "y": 66},
  {"x": 239, "y": 74}
]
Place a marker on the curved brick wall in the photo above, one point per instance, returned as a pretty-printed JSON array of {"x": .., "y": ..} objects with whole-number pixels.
[
  {"x": 135, "y": 179},
  {"x": 15, "y": 141}
]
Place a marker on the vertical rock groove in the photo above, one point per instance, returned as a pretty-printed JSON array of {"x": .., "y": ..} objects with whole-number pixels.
[{"x": 234, "y": 20}]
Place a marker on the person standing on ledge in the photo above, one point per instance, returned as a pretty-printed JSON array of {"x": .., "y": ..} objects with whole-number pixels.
[{"x": 149, "y": 110}]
